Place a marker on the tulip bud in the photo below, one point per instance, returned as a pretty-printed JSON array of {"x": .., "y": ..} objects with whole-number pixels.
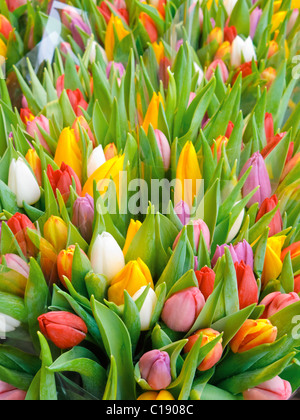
[
  {"x": 22, "y": 183},
  {"x": 297, "y": 284},
  {"x": 72, "y": 20},
  {"x": 35, "y": 163},
  {"x": 276, "y": 301},
  {"x": 118, "y": 67},
  {"x": 240, "y": 252},
  {"x": 106, "y": 255},
  {"x": 198, "y": 226},
  {"x": 254, "y": 20},
  {"x": 68, "y": 152},
  {"x": 215, "y": 35},
  {"x": 115, "y": 25},
  {"x": 164, "y": 148},
  {"x": 133, "y": 228},
  {"x": 213, "y": 357},
  {"x": 152, "y": 396},
  {"x": 155, "y": 368},
  {"x": 131, "y": 278},
  {"x": 56, "y": 232},
  {"x": 148, "y": 307},
  {"x": 183, "y": 212},
  {"x": 236, "y": 226},
  {"x": 96, "y": 159},
  {"x": 268, "y": 205},
  {"x": 219, "y": 145},
  {"x": 16, "y": 263},
  {"x": 275, "y": 389},
  {"x": 292, "y": 21},
  {"x": 229, "y": 6},
  {"x": 224, "y": 51},
  {"x": 164, "y": 65},
  {"x": 81, "y": 121},
  {"x": 110, "y": 151},
  {"x": 247, "y": 285},
  {"x": 65, "y": 263},
  {"x": 206, "y": 281},
  {"x": 212, "y": 68},
  {"x": 32, "y": 128},
  {"x": 258, "y": 177},
  {"x": 62, "y": 180},
  {"x": 15, "y": 4},
  {"x": 269, "y": 74},
  {"x": 8, "y": 324},
  {"x": 64, "y": 329},
  {"x": 149, "y": 26},
  {"x": 273, "y": 259},
  {"x": 77, "y": 101},
  {"x": 242, "y": 49},
  {"x": 5, "y": 27},
  {"x": 190, "y": 301},
  {"x": 83, "y": 216},
  {"x": 10, "y": 393},
  {"x": 252, "y": 334},
  {"x": 18, "y": 224}
]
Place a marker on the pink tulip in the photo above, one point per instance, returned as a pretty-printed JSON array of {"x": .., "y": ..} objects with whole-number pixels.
[
  {"x": 199, "y": 226},
  {"x": 155, "y": 369},
  {"x": 15, "y": 4},
  {"x": 275, "y": 389},
  {"x": 33, "y": 127},
  {"x": 213, "y": 67},
  {"x": 16, "y": 263},
  {"x": 10, "y": 393},
  {"x": 276, "y": 301},
  {"x": 191, "y": 98},
  {"x": 183, "y": 212},
  {"x": 188, "y": 303},
  {"x": 164, "y": 148}
]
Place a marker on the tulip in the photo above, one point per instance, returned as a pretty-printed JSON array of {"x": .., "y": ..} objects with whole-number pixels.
[
  {"x": 64, "y": 329},
  {"x": 273, "y": 48},
  {"x": 111, "y": 169},
  {"x": 269, "y": 126},
  {"x": 276, "y": 301},
  {"x": 215, "y": 35},
  {"x": 183, "y": 212},
  {"x": 56, "y": 233},
  {"x": 3, "y": 51},
  {"x": 214, "y": 356},
  {"x": 61, "y": 180},
  {"x": 149, "y": 26},
  {"x": 155, "y": 368},
  {"x": 159, "y": 51},
  {"x": 294, "y": 249},
  {"x": 292, "y": 21},
  {"x": 269, "y": 74},
  {"x": 200, "y": 72},
  {"x": 236, "y": 226},
  {"x": 164, "y": 65},
  {"x": 82, "y": 122},
  {"x": 190, "y": 302},
  {"x": 10, "y": 393},
  {"x": 164, "y": 148},
  {"x": 245, "y": 69},
  {"x": 22, "y": 183},
  {"x": 119, "y": 7},
  {"x": 15, "y": 4},
  {"x": 254, "y": 20},
  {"x": 212, "y": 68},
  {"x": 35, "y": 163},
  {"x": 275, "y": 389},
  {"x": 206, "y": 281},
  {"x": 224, "y": 51},
  {"x": 188, "y": 175},
  {"x": 273, "y": 264},
  {"x": 297, "y": 284},
  {"x": 273, "y": 142},
  {"x": 8, "y": 324},
  {"x": 65, "y": 264},
  {"x": 115, "y": 24},
  {"x": 131, "y": 232},
  {"x": 77, "y": 101},
  {"x": 258, "y": 177},
  {"x": 152, "y": 396},
  {"x": 132, "y": 277},
  {"x": 219, "y": 146},
  {"x": 106, "y": 256},
  {"x": 96, "y": 159},
  {"x": 242, "y": 49},
  {"x": 118, "y": 67},
  {"x": 32, "y": 128},
  {"x": 247, "y": 285},
  {"x": 18, "y": 224},
  {"x": 110, "y": 151},
  {"x": 198, "y": 226},
  {"x": 148, "y": 307},
  {"x": 48, "y": 261},
  {"x": 252, "y": 334},
  {"x": 290, "y": 165},
  {"x": 68, "y": 151},
  {"x": 229, "y": 6},
  {"x": 83, "y": 216},
  {"x": 5, "y": 26},
  {"x": 277, "y": 20},
  {"x": 16, "y": 263},
  {"x": 268, "y": 205},
  {"x": 151, "y": 116},
  {"x": 240, "y": 252},
  {"x": 72, "y": 20},
  {"x": 26, "y": 115},
  {"x": 65, "y": 49},
  {"x": 230, "y": 33}
]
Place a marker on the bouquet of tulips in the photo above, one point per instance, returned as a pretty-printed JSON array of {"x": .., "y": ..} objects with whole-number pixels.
[{"x": 149, "y": 200}]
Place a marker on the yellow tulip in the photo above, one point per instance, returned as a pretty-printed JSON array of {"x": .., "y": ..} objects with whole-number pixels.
[
  {"x": 187, "y": 174},
  {"x": 3, "y": 49},
  {"x": 115, "y": 24},
  {"x": 132, "y": 277},
  {"x": 273, "y": 264},
  {"x": 110, "y": 169},
  {"x": 152, "y": 396},
  {"x": 56, "y": 233},
  {"x": 159, "y": 50},
  {"x": 35, "y": 164},
  {"x": 69, "y": 152},
  {"x": 151, "y": 116},
  {"x": 277, "y": 19},
  {"x": 131, "y": 232}
]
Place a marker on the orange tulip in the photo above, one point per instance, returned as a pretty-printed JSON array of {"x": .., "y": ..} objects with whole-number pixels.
[
  {"x": 151, "y": 116},
  {"x": 131, "y": 232},
  {"x": 252, "y": 334},
  {"x": 219, "y": 144},
  {"x": 35, "y": 164},
  {"x": 110, "y": 151},
  {"x": 64, "y": 264},
  {"x": 294, "y": 249}
]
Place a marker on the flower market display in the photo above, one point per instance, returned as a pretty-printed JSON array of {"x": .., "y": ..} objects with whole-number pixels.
[{"x": 149, "y": 200}]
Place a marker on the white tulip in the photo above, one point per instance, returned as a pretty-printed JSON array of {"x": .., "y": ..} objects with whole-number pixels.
[
  {"x": 23, "y": 183},
  {"x": 198, "y": 70},
  {"x": 148, "y": 307},
  {"x": 107, "y": 257},
  {"x": 236, "y": 226},
  {"x": 242, "y": 50},
  {"x": 229, "y": 6},
  {"x": 96, "y": 159},
  {"x": 8, "y": 324}
]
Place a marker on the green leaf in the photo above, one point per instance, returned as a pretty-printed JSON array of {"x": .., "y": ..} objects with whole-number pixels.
[{"x": 47, "y": 379}]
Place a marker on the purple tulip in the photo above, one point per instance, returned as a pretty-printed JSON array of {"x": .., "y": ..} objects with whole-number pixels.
[
  {"x": 254, "y": 19},
  {"x": 258, "y": 177},
  {"x": 292, "y": 21},
  {"x": 72, "y": 20},
  {"x": 119, "y": 68},
  {"x": 83, "y": 216},
  {"x": 183, "y": 212},
  {"x": 164, "y": 148},
  {"x": 178, "y": 45},
  {"x": 155, "y": 368},
  {"x": 240, "y": 252},
  {"x": 16, "y": 263}
]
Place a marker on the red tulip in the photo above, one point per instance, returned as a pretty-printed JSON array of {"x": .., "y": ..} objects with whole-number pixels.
[
  {"x": 294, "y": 249},
  {"x": 269, "y": 126},
  {"x": 149, "y": 26},
  {"x": 18, "y": 224},
  {"x": 64, "y": 329},
  {"x": 247, "y": 285},
  {"x": 61, "y": 179},
  {"x": 230, "y": 33},
  {"x": 276, "y": 301},
  {"x": 77, "y": 101},
  {"x": 245, "y": 69},
  {"x": 268, "y": 205},
  {"x": 229, "y": 130},
  {"x": 15, "y": 4},
  {"x": 297, "y": 284},
  {"x": 206, "y": 280},
  {"x": 5, "y": 26}
]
